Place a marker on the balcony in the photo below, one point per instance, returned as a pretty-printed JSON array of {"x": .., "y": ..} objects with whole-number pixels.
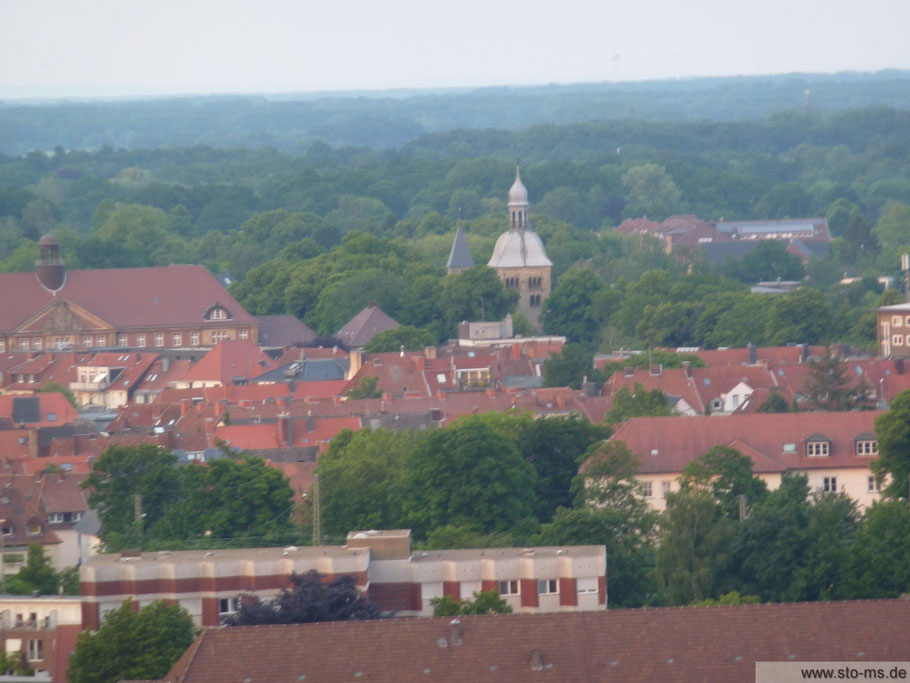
[{"x": 98, "y": 385}]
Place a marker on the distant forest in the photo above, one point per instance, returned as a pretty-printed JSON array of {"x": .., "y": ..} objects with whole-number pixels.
[
  {"x": 387, "y": 119},
  {"x": 308, "y": 226}
]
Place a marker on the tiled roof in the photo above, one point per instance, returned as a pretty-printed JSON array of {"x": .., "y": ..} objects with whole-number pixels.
[
  {"x": 364, "y": 326},
  {"x": 230, "y": 359},
  {"x": 124, "y": 297},
  {"x": 668, "y": 444},
  {"x": 666, "y": 644},
  {"x": 40, "y": 410},
  {"x": 283, "y": 330}
]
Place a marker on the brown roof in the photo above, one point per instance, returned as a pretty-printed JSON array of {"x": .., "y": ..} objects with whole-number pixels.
[
  {"x": 668, "y": 444},
  {"x": 364, "y": 326},
  {"x": 283, "y": 330},
  {"x": 670, "y": 644},
  {"x": 124, "y": 297}
]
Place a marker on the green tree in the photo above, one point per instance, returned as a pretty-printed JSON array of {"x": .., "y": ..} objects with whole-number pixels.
[
  {"x": 731, "y": 598},
  {"x": 694, "y": 553},
  {"x": 831, "y": 386},
  {"x": 130, "y": 644},
  {"x": 879, "y": 557},
  {"x": 573, "y": 309},
  {"x": 467, "y": 474},
  {"x": 474, "y": 294},
  {"x": 637, "y": 403},
  {"x": 360, "y": 480},
  {"x": 775, "y": 403},
  {"x": 411, "y": 338},
  {"x": 127, "y": 477},
  {"x": 650, "y": 191},
  {"x": 610, "y": 510},
  {"x": 486, "y": 602},
  {"x": 36, "y": 575},
  {"x": 726, "y": 474},
  {"x": 368, "y": 388},
  {"x": 800, "y": 316},
  {"x": 893, "y": 462},
  {"x": 568, "y": 368},
  {"x": 452, "y": 537},
  {"x": 770, "y": 260},
  {"x": 57, "y": 388}
]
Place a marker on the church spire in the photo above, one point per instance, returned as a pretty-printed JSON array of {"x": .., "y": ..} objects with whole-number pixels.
[{"x": 518, "y": 202}]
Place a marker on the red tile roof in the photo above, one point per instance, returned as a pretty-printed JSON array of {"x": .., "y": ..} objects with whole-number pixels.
[
  {"x": 124, "y": 297},
  {"x": 668, "y": 444},
  {"x": 231, "y": 359},
  {"x": 364, "y": 326},
  {"x": 666, "y": 644},
  {"x": 49, "y": 404}
]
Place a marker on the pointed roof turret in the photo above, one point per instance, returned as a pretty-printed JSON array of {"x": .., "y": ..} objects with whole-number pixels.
[
  {"x": 518, "y": 194},
  {"x": 460, "y": 255}
]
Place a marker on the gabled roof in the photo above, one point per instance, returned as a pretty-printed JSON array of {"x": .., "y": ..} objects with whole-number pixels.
[
  {"x": 662, "y": 644},
  {"x": 40, "y": 410},
  {"x": 460, "y": 255},
  {"x": 668, "y": 444},
  {"x": 238, "y": 358},
  {"x": 364, "y": 326},
  {"x": 124, "y": 297}
]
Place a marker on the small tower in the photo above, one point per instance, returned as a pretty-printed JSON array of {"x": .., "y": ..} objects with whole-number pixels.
[
  {"x": 49, "y": 266},
  {"x": 520, "y": 258},
  {"x": 460, "y": 256}
]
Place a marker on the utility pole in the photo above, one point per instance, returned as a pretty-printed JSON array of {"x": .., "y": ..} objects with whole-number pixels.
[
  {"x": 2, "y": 557},
  {"x": 317, "y": 513},
  {"x": 905, "y": 267}
]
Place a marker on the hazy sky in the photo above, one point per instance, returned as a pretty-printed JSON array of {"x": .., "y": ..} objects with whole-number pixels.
[{"x": 51, "y": 48}]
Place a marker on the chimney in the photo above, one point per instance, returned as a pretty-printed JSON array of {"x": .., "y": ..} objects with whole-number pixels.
[
  {"x": 49, "y": 267},
  {"x": 455, "y": 632},
  {"x": 419, "y": 362},
  {"x": 804, "y": 353},
  {"x": 516, "y": 350},
  {"x": 285, "y": 430},
  {"x": 430, "y": 353},
  {"x": 753, "y": 354},
  {"x": 310, "y": 423},
  {"x": 184, "y": 407},
  {"x": 560, "y": 401},
  {"x": 356, "y": 362},
  {"x": 687, "y": 368}
]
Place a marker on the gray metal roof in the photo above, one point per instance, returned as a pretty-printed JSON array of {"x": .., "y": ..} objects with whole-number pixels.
[
  {"x": 518, "y": 248},
  {"x": 460, "y": 255}
]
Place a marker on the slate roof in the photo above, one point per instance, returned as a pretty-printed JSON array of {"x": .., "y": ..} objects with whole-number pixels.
[
  {"x": 124, "y": 297},
  {"x": 665, "y": 644},
  {"x": 460, "y": 255},
  {"x": 364, "y": 326},
  {"x": 283, "y": 330}
]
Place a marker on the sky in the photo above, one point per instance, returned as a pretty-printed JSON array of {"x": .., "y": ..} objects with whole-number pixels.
[{"x": 114, "y": 48}]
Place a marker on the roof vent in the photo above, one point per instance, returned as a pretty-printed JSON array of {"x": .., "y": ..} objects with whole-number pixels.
[
  {"x": 455, "y": 637},
  {"x": 536, "y": 660}
]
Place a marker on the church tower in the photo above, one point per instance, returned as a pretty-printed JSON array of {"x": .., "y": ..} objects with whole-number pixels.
[{"x": 520, "y": 258}]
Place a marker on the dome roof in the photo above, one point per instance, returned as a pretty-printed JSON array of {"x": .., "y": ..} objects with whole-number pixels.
[
  {"x": 518, "y": 194},
  {"x": 519, "y": 248}
]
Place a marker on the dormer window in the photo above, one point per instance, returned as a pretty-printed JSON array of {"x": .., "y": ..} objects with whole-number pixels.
[
  {"x": 217, "y": 312},
  {"x": 818, "y": 449},
  {"x": 33, "y": 529},
  {"x": 867, "y": 447}
]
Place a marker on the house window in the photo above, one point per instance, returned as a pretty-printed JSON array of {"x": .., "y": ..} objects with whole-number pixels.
[
  {"x": 35, "y": 650},
  {"x": 872, "y": 485},
  {"x": 37, "y": 343},
  {"x": 219, "y": 336},
  {"x": 218, "y": 313},
  {"x": 86, "y": 340},
  {"x": 547, "y": 586},
  {"x": 121, "y": 340},
  {"x": 62, "y": 342},
  {"x": 140, "y": 340},
  {"x": 646, "y": 489},
  {"x": 244, "y": 334},
  {"x": 100, "y": 340},
  {"x": 55, "y": 518},
  {"x": 666, "y": 487},
  {"x": 194, "y": 339},
  {"x": 829, "y": 485},
  {"x": 587, "y": 584},
  {"x": 535, "y": 300},
  {"x": 159, "y": 339},
  {"x": 23, "y": 344},
  {"x": 789, "y": 448},
  {"x": 51, "y": 417},
  {"x": 867, "y": 447},
  {"x": 509, "y": 587},
  {"x": 817, "y": 449},
  {"x": 896, "y": 321},
  {"x": 7, "y": 530},
  {"x": 908, "y": 321},
  {"x": 33, "y": 529},
  {"x": 228, "y": 605},
  {"x": 177, "y": 339},
  {"x": 897, "y": 340}
]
